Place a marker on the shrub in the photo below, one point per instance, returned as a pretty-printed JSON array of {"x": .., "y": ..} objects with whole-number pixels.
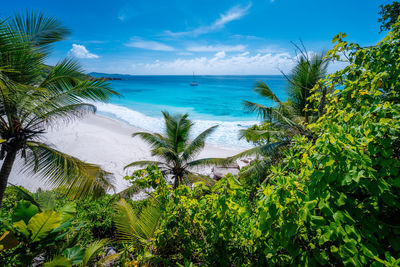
[{"x": 334, "y": 199}]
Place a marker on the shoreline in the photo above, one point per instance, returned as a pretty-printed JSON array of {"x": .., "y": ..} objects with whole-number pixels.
[
  {"x": 226, "y": 134},
  {"x": 106, "y": 142},
  {"x": 125, "y": 124}
]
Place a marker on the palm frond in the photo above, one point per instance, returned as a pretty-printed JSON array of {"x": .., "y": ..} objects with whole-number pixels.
[
  {"x": 260, "y": 169},
  {"x": 152, "y": 139},
  {"x": 177, "y": 129},
  {"x": 98, "y": 90},
  {"x": 197, "y": 144},
  {"x": 41, "y": 30},
  {"x": 17, "y": 55},
  {"x": 167, "y": 154},
  {"x": 262, "y": 111},
  {"x": 79, "y": 179},
  {"x": 191, "y": 178},
  {"x": 132, "y": 190},
  {"x": 135, "y": 227},
  {"x": 108, "y": 260},
  {"x": 263, "y": 150},
  {"x": 263, "y": 90},
  {"x": 255, "y": 135},
  {"x": 92, "y": 249},
  {"x": 63, "y": 96},
  {"x": 304, "y": 76},
  {"x": 211, "y": 161},
  {"x": 65, "y": 113},
  {"x": 66, "y": 71},
  {"x": 142, "y": 163}
]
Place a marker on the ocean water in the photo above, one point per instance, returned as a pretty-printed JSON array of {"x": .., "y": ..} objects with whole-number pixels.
[{"x": 217, "y": 100}]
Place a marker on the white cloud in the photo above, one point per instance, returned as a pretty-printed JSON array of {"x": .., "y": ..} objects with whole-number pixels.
[
  {"x": 149, "y": 45},
  {"x": 216, "y": 48},
  {"x": 235, "y": 13},
  {"x": 271, "y": 49},
  {"x": 220, "y": 54},
  {"x": 220, "y": 64},
  {"x": 242, "y": 63},
  {"x": 80, "y": 51}
]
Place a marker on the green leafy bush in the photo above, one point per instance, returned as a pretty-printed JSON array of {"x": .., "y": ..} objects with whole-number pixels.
[
  {"x": 333, "y": 200},
  {"x": 11, "y": 196},
  {"x": 47, "y": 237},
  {"x": 207, "y": 226}
]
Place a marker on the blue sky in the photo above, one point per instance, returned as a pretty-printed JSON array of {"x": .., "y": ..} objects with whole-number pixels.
[{"x": 204, "y": 36}]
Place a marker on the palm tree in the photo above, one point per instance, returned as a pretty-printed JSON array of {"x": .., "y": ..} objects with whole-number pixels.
[
  {"x": 285, "y": 119},
  {"x": 175, "y": 152},
  {"x": 31, "y": 100},
  {"x": 292, "y": 113}
]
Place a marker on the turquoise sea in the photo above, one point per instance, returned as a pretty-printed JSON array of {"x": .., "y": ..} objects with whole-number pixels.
[{"x": 217, "y": 100}]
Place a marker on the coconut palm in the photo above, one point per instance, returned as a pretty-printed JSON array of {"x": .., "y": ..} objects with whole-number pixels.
[
  {"x": 289, "y": 116},
  {"x": 175, "y": 152},
  {"x": 285, "y": 119},
  {"x": 32, "y": 100}
]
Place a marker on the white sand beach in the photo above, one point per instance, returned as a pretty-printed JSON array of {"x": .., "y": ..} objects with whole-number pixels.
[{"x": 103, "y": 141}]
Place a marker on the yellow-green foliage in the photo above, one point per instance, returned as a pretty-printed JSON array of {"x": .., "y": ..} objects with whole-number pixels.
[
  {"x": 333, "y": 200},
  {"x": 207, "y": 227}
]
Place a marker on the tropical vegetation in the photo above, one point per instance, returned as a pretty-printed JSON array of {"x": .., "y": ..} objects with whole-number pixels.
[
  {"x": 31, "y": 100},
  {"x": 389, "y": 15},
  {"x": 177, "y": 154},
  {"x": 331, "y": 197},
  {"x": 284, "y": 119}
]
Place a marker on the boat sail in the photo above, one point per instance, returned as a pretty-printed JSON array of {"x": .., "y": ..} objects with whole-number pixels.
[{"x": 193, "y": 83}]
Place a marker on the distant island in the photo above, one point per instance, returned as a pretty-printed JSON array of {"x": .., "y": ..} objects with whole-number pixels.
[
  {"x": 102, "y": 78},
  {"x": 107, "y": 76}
]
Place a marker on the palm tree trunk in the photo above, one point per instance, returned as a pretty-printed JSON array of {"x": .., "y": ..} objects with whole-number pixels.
[
  {"x": 5, "y": 171},
  {"x": 176, "y": 182},
  {"x": 321, "y": 105}
]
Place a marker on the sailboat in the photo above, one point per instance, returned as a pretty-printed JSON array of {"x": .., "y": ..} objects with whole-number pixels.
[{"x": 193, "y": 83}]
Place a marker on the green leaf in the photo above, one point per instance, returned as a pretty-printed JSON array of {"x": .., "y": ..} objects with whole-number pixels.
[
  {"x": 59, "y": 261},
  {"x": 318, "y": 220},
  {"x": 46, "y": 200},
  {"x": 321, "y": 256},
  {"x": 289, "y": 229},
  {"x": 68, "y": 211},
  {"x": 22, "y": 228},
  {"x": 339, "y": 216},
  {"x": 63, "y": 226},
  {"x": 341, "y": 200},
  {"x": 24, "y": 211},
  {"x": 75, "y": 254},
  {"x": 43, "y": 223}
]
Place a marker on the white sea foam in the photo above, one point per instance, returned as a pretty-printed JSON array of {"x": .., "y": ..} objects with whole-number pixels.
[{"x": 226, "y": 135}]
